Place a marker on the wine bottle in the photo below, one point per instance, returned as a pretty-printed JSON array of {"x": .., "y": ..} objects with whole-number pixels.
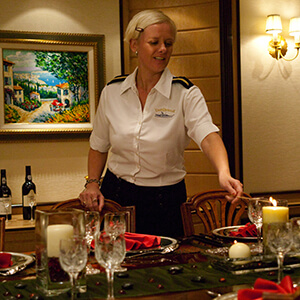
[
  {"x": 28, "y": 195},
  {"x": 5, "y": 197}
]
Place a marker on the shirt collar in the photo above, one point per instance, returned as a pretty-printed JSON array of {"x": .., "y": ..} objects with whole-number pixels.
[{"x": 163, "y": 86}]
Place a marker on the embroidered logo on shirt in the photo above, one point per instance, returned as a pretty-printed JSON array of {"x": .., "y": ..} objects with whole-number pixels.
[{"x": 164, "y": 113}]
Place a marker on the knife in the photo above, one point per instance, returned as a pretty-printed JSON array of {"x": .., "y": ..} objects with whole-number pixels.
[{"x": 207, "y": 239}]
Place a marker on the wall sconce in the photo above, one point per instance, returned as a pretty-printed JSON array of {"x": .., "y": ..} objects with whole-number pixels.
[{"x": 278, "y": 45}]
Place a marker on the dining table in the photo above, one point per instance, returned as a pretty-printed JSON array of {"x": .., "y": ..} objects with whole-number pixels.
[{"x": 185, "y": 273}]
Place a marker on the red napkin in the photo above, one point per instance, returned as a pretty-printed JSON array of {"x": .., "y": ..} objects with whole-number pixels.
[
  {"x": 245, "y": 231},
  {"x": 5, "y": 260},
  {"x": 135, "y": 241},
  {"x": 267, "y": 286}
]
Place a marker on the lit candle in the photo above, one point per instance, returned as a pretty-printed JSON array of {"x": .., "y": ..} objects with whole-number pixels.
[
  {"x": 55, "y": 233},
  {"x": 272, "y": 214},
  {"x": 239, "y": 250}
]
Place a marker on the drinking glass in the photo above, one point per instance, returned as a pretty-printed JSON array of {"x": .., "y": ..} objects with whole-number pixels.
[
  {"x": 6, "y": 203},
  {"x": 73, "y": 259},
  {"x": 110, "y": 251},
  {"x": 115, "y": 224},
  {"x": 255, "y": 215},
  {"x": 280, "y": 241},
  {"x": 92, "y": 226},
  {"x": 31, "y": 203}
]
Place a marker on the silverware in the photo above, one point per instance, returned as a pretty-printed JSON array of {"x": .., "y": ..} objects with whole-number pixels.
[
  {"x": 13, "y": 270},
  {"x": 166, "y": 250},
  {"x": 213, "y": 294}
]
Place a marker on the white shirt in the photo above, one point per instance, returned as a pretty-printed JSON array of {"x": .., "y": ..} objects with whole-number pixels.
[{"x": 147, "y": 146}]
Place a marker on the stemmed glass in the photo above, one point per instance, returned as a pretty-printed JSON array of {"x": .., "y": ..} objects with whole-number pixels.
[
  {"x": 6, "y": 203},
  {"x": 31, "y": 203},
  {"x": 110, "y": 252},
  {"x": 92, "y": 227},
  {"x": 280, "y": 241},
  {"x": 73, "y": 259},
  {"x": 255, "y": 215},
  {"x": 115, "y": 224}
]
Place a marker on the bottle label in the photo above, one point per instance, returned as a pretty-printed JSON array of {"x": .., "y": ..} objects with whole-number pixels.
[
  {"x": 5, "y": 204},
  {"x": 3, "y": 181},
  {"x": 31, "y": 197}
]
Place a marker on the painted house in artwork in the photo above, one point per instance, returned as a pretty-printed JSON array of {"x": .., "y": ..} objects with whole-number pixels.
[
  {"x": 64, "y": 95},
  {"x": 19, "y": 93},
  {"x": 35, "y": 96},
  {"x": 12, "y": 94}
]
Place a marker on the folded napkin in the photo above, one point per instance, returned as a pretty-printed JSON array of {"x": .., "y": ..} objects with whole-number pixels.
[
  {"x": 266, "y": 286},
  {"x": 248, "y": 230},
  {"x": 5, "y": 260},
  {"x": 136, "y": 241}
]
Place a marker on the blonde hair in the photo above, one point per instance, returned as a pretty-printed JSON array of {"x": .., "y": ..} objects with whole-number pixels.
[{"x": 144, "y": 19}]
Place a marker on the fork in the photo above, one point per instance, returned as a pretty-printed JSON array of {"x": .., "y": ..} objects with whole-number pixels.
[{"x": 166, "y": 250}]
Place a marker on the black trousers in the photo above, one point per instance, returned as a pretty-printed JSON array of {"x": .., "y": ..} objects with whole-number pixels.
[{"x": 157, "y": 208}]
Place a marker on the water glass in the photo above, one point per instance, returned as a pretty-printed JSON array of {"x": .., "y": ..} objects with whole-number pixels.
[
  {"x": 115, "y": 224},
  {"x": 73, "y": 259},
  {"x": 255, "y": 215},
  {"x": 280, "y": 241},
  {"x": 92, "y": 227},
  {"x": 110, "y": 252}
]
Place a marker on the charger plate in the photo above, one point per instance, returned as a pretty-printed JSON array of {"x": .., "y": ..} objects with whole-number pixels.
[
  {"x": 19, "y": 262},
  {"x": 224, "y": 232}
]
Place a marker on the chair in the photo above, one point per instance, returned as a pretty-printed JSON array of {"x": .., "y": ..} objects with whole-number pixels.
[
  {"x": 109, "y": 206},
  {"x": 213, "y": 209},
  {"x": 2, "y": 233}
]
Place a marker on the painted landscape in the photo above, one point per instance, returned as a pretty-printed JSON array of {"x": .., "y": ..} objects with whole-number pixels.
[{"x": 45, "y": 87}]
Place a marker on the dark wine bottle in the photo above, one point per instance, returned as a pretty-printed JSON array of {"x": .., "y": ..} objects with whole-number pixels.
[
  {"x": 28, "y": 195},
  {"x": 5, "y": 197}
]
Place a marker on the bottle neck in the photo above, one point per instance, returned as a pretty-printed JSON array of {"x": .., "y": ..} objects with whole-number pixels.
[
  {"x": 3, "y": 178},
  {"x": 28, "y": 174}
]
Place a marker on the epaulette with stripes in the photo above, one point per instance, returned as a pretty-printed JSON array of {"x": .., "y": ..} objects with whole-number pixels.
[
  {"x": 183, "y": 81},
  {"x": 118, "y": 78}
]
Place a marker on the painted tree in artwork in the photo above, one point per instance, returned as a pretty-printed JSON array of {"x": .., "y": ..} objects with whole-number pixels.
[{"x": 69, "y": 66}]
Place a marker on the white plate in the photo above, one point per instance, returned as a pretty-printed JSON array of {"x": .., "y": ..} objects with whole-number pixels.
[
  {"x": 228, "y": 296},
  {"x": 20, "y": 261},
  {"x": 164, "y": 242},
  {"x": 223, "y": 232}
]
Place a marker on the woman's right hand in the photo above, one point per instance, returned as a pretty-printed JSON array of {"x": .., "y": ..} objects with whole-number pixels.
[{"x": 91, "y": 197}]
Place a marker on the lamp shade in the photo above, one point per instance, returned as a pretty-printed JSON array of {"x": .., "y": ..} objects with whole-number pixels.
[
  {"x": 294, "y": 26},
  {"x": 273, "y": 24}
]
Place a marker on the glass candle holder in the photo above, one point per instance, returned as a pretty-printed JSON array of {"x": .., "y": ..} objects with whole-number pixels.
[{"x": 50, "y": 227}]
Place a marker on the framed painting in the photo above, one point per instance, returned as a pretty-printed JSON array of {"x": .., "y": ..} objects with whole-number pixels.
[{"x": 49, "y": 82}]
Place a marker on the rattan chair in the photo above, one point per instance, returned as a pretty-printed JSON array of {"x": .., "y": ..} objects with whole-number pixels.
[
  {"x": 213, "y": 210},
  {"x": 2, "y": 233},
  {"x": 109, "y": 206}
]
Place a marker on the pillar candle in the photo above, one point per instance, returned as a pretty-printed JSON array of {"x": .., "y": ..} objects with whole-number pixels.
[
  {"x": 273, "y": 214},
  {"x": 55, "y": 233}
]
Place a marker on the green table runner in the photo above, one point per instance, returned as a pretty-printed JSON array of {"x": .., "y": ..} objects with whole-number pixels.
[{"x": 149, "y": 281}]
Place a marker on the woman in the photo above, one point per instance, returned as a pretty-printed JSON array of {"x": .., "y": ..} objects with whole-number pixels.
[{"x": 147, "y": 119}]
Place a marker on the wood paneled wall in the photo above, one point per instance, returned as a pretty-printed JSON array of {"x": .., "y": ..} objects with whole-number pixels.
[{"x": 196, "y": 55}]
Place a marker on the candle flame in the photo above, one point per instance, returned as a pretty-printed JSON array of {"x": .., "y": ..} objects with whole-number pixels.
[
  {"x": 273, "y": 201},
  {"x": 235, "y": 241}
]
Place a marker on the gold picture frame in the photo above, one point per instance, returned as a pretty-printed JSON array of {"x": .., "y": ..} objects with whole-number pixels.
[{"x": 50, "y": 83}]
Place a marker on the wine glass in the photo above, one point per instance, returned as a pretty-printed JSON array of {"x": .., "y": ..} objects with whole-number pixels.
[
  {"x": 110, "y": 251},
  {"x": 280, "y": 241},
  {"x": 255, "y": 215},
  {"x": 115, "y": 224},
  {"x": 73, "y": 259},
  {"x": 92, "y": 226},
  {"x": 31, "y": 203},
  {"x": 6, "y": 203}
]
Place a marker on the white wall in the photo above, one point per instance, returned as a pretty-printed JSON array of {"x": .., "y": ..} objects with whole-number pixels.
[
  {"x": 270, "y": 101},
  {"x": 58, "y": 166}
]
